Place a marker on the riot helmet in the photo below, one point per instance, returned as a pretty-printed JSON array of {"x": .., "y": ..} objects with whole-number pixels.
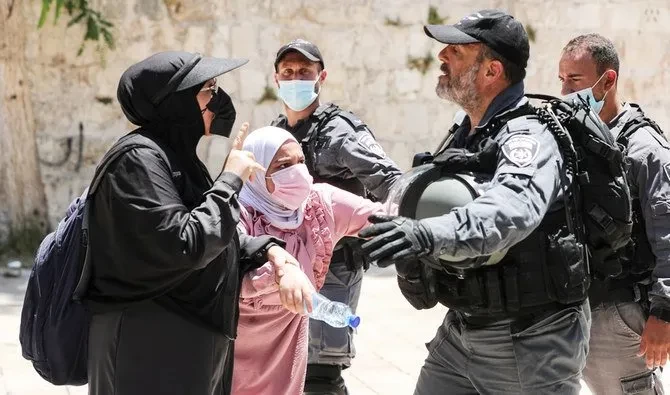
[{"x": 428, "y": 191}]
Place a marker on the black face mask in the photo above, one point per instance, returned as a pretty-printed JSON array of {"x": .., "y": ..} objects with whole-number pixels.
[{"x": 224, "y": 114}]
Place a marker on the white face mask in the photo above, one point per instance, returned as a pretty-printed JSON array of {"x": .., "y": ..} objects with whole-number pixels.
[
  {"x": 299, "y": 94},
  {"x": 587, "y": 96}
]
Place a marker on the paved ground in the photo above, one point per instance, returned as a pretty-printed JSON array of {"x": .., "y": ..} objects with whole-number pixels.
[{"x": 390, "y": 342}]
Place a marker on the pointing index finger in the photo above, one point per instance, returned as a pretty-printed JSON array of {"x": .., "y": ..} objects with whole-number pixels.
[{"x": 241, "y": 135}]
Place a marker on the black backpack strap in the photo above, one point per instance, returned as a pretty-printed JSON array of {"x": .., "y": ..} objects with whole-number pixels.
[
  {"x": 498, "y": 122},
  {"x": 634, "y": 123},
  {"x": 309, "y": 143},
  {"x": 124, "y": 145},
  {"x": 323, "y": 114}
]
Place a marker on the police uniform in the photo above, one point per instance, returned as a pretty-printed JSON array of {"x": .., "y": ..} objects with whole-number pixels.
[
  {"x": 340, "y": 150},
  {"x": 520, "y": 324},
  {"x": 492, "y": 347},
  {"x": 622, "y": 304}
]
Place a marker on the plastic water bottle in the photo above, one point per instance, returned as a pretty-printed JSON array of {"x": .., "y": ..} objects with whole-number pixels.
[{"x": 335, "y": 314}]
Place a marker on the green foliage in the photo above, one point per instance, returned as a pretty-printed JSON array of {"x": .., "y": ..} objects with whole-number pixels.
[
  {"x": 420, "y": 64},
  {"x": 532, "y": 33},
  {"x": 393, "y": 22},
  {"x": 98, "y": 28},
  {"x": 22, "y": 242},
  {"x": 434, "y": 17},
  {"x": 268, "y": 95}
]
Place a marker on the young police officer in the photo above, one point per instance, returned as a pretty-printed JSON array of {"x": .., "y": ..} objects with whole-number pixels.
[
  {"x": 340, "y": 150},
  {"x": 631, "y": 306}
]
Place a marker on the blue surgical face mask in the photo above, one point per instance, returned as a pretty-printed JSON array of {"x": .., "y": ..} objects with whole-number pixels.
[
  {"x": 298, "y": 94},
  {"x": 587, "y": 96}
]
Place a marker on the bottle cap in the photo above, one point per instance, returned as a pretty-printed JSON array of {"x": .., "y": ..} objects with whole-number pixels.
[{"x": 354, "y": 321}]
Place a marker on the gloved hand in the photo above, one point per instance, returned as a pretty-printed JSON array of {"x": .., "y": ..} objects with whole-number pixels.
[{"x": 396, "y": 239}]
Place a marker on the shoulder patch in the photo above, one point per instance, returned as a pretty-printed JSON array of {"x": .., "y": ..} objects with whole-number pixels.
[
  {"x": 521, "y": 149},
  {"x": 371, "y": 145}
]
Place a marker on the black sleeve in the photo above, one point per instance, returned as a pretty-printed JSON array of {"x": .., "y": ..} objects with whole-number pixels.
[
  {"x": 152, "y": 240},
  {"x": 254, "y": 250}
]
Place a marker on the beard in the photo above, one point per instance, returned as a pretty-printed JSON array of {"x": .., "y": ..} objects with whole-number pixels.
[{"x": 459, "y": 89}]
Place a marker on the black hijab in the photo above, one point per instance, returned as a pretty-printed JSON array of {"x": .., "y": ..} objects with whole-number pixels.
[{"x": 159, "y": 95}]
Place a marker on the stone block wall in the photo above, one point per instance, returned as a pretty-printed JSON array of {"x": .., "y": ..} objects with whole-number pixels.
[{"x": 369, "y": 47}]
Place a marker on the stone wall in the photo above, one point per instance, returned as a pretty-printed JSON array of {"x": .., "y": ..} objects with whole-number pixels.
[{"x": 370, "y": 49}]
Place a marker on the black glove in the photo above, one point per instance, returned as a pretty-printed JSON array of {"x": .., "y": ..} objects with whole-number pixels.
[{"x": 396, "y": 239}]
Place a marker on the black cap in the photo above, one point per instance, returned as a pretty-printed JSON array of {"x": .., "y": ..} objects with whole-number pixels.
[
  {"x": 208, "y": 68},
  {"x": 306, "y": 48},
  {"x": 188, "y": 70},
  {"x": 494, "y": 28}
]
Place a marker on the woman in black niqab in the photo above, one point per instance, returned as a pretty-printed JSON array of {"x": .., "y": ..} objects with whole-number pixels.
[{"x": 165, "y": 252}]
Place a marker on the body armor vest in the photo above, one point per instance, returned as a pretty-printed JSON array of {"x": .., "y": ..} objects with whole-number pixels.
[
  {"x": 546, "y": 268},
  {"x": 639, "y": 260},
  {"x": 317, "y": 138}
]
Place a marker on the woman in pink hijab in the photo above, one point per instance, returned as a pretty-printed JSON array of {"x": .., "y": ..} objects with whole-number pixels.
[{"x": 271, "y": 346}]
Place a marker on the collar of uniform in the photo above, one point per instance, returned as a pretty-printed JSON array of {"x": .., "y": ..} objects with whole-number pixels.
[
  {"x": 508, "y": 99},
  {"x": 311, "y": 116},
  {"x": 617, "y": 124}
]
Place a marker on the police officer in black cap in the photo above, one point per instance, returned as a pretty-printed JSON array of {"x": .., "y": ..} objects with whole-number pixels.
[
  {"x": 339, "y": 150},
  {"x": 517, "y": 324}
]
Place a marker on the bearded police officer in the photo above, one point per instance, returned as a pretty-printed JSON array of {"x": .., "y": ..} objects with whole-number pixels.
[
  {"x": 339, "y": 150},
  {"x": 511, "y": 328},
  {"x": 630, "y": 333}
]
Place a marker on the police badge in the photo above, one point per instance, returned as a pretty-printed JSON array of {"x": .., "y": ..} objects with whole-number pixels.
[{"x": 521, "y": 149}]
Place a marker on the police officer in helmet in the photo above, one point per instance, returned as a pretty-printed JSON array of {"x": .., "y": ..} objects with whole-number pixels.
[
  {"x": 517, "y": 324},
  {"x": 340, "y": 150}
]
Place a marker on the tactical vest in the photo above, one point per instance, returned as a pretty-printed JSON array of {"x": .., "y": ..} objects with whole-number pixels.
[
  {"x": 548, "y": 267},
  {"x": 317, "y": 138},
  {"x": 639, "y": 260},
  {"x": 642, "y": 259}
]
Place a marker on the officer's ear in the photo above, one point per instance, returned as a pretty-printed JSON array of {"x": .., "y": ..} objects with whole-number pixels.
[
  {"x": 276, "y": 79},
  {"x": 610, "y": 79},
  {"x": 494, "y": 70},
  {"x": 323, "y": 76}
]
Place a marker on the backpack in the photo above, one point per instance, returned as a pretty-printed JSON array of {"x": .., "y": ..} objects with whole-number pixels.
[
  {"x": 601, "y": 215},
  {"x": 594, "y": 161},
  {"x": 638, "y": 119},
  {"x": 54, "y": 321}
]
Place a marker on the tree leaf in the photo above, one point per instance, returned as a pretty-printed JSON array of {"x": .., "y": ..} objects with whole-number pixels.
[
  {"x": 46, "y": 5},
  {"x": 59, "y": 7},
  {"x": 92, "y": 29},
  {"x": 69, "y": 6},
  {"x": 109, "y": 38},
  {"x": 77, "y": 19}
]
